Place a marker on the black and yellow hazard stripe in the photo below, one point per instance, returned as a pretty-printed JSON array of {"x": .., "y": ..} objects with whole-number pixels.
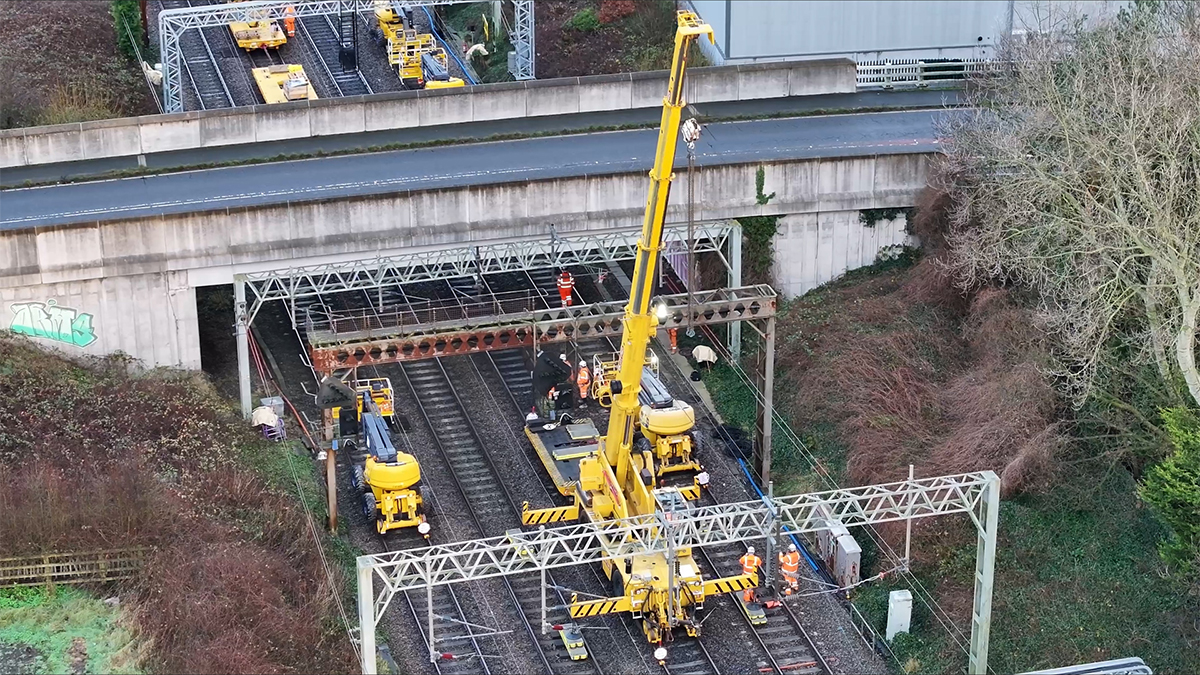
[
  {"x": 582, "y": 610},
  {"x": 730, "y": 584},
  {"x": 550, "y": 515},
  {"x": 690, "y": 493}
]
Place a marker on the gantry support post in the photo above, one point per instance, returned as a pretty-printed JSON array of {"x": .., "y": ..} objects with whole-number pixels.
[
  {"x": 768, "y": 578},
  {"x": 433, "y": 653},
  {"x": 366, "y": 616},
  {"x": 542, "y": 592},
  {"x": 766, "y": 380},
  {"x": 735, "y": 281},
  {"x": 985, "y": 567},
  {"x": 241, "y": 326}
]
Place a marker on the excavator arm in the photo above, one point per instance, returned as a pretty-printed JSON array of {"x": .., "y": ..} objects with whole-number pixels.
[{"x": 640, "y": 321}]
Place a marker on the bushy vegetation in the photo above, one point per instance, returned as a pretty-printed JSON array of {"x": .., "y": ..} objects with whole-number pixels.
[
  {"x": 60, "y": 63},
  {"x": 1172, "y": 488},
  {"x": 127, "y": 22},
  {"x": 96, "y": 457}
]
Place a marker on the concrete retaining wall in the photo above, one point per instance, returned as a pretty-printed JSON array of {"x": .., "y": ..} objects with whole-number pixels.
[
  {"x": 815, "y": 248},
  {"x": 110, "y": 269},
  {"x": 151, "y": 317},
  {"x": 303, "y": 119}
]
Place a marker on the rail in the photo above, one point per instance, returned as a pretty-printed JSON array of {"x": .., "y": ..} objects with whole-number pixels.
[
  {"x": 917, "y": 73},
  {"x": 71, "y": 568}
]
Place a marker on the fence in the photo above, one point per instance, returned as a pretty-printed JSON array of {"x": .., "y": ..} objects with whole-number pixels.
[
  {"x": 916, "y": 73},
  {"x": 71, "y": 568}
]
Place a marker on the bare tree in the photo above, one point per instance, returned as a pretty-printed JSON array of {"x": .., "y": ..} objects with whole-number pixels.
[{"x": 1075, "y": 173}]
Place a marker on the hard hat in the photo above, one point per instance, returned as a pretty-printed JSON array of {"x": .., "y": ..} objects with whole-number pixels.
[
  {"x": 792, "y": 547},
  {"x": 583, "y": 364},
  {"x": 562, "y": 357},
  {"x": 749, "y": 549}
]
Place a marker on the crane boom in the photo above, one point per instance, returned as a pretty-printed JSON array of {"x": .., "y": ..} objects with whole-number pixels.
[{"x": 640, "y": 321}]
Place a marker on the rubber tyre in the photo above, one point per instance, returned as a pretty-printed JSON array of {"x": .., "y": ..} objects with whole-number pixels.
[
  {"x": 357, "y": 482},
  {"x": 370, "y": 508}
]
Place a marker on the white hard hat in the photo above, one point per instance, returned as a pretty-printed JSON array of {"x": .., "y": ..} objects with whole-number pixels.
[
  {"x": 792, "y": 547},
  {"x": 583, "y": 364},
  {"x": 562, "y": 357},
  {"x": 749, "y": 549}
]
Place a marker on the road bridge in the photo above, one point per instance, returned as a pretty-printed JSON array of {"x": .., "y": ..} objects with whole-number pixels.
[{"x": 113, "y": 265}]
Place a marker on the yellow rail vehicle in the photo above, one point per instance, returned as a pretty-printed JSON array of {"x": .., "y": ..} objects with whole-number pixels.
[
  {"x": 665, "y": 423},
  {"x": 387, "y": 480},
  {"x": 419, "y": 62},
  {"x": 613, "y": 479},
  {"x": 380, "y": 392},
  {"x": 280, "y": 84},
  {"x": 251, "y": 35}
]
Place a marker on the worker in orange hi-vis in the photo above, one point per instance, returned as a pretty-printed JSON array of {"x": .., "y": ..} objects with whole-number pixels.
[
  {"x": 673, "y": 333},
  {"x": 789, "y": 565},
  {"x": 583, "y": 378},
  {"x": 750, "y": 564},
  {"x": 289, "y": 20},
  {"x": 566, "y": 285}
]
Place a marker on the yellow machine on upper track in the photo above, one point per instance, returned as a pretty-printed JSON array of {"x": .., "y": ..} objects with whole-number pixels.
[
  {"x": 419, "y": 62},
  {"x": 615, "y": 480}
]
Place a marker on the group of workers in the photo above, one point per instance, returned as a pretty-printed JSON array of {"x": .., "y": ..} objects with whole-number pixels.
[
  {"x": 580, "y": 378},
  {"x": 789, "y": 567}
]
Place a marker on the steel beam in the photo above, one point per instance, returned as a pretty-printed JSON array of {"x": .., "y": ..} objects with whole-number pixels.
[
  {"x": 975, "y": 494},
  {"x": 331, "y": 351},
  {"x": 587, "y": 248},
  {"x": 734, "y": 265},
  {"x": 172, "y": 23},
  {"x": 766, "y": 381}
]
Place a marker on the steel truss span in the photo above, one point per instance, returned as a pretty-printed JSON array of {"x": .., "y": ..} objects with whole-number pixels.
[
  {"x": 527, "y": 329},
  {"x": 173, "y": 23},
  {"x": 975, "y": 494},
  {"x": 588, "y": 248}
]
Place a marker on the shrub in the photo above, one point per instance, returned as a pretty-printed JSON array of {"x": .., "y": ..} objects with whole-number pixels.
[
  {"x": 1172, "y": 488},
  {"x": 127, "y": 18},
  {"x": 585, "y": 20}
]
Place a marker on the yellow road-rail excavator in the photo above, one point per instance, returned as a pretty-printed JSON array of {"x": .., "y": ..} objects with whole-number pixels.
[
  {"x": 387, "y": 480},
  {"x": 614, "y": 480},
  {"x": 665, "y": 423},
  {"x": 418, "y": 60}
]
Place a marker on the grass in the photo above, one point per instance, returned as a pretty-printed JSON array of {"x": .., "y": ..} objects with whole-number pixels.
[{"x": 55, "y": 621}]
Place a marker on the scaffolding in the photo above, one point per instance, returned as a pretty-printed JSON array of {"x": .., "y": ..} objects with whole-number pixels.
[
  {"x": 173, "y": 23},
  {"x": 534, "y": 551}
]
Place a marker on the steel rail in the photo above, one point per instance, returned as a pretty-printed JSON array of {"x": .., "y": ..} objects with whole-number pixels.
[
  {"x": 215, "y": 76},
  {"x": 474, "y": 496},
  {"x": 433, "y": 598}
]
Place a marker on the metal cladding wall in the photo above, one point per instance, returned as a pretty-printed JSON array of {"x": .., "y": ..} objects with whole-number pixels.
[
  {"x": 861, "y": 29},
  {"x": 876, "y": 30}
]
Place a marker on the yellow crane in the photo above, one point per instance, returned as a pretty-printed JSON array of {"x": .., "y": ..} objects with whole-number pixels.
[{"x": 615, "y": 480}]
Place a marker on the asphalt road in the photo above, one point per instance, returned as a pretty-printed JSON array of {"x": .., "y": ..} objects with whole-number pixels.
[{"x": 459, "y": 165}]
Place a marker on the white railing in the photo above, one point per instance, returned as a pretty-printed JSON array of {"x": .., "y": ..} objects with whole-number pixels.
[{"x": 917, "y": 73}]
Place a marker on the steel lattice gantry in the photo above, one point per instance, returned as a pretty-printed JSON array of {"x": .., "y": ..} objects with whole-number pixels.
[
  {"x": 172, "y": 23},
  {"x": 597, "y": 247},
  {"x": 975, "y": 494}
]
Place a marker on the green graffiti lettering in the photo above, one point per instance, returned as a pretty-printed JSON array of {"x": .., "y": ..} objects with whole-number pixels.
[
  {"x": 48, "y": 320},
  {"x": 81, "y": 330}
]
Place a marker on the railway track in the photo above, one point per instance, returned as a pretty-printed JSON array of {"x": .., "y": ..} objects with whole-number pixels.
[
  {"x": 200, "y": 65},
  {"x": 489, "y": 502},
  {"x": 321, "y": 36}
]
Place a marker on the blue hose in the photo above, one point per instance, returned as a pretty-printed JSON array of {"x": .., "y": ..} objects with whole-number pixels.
[
  {"x": 449, "y": 51},
  {"x": 799, "y": 544}
]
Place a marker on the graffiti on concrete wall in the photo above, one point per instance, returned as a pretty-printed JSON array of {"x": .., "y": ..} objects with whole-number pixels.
[{"x": 48, "y": 320}]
